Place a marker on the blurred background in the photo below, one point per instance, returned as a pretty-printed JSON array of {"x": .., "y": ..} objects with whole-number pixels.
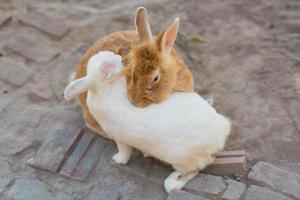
[{"x": 246, "y": 54}]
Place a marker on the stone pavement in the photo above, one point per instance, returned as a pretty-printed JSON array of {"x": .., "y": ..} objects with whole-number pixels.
[{"x": 249, "y": 62}]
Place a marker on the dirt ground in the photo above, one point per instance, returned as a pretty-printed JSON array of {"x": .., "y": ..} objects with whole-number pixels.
[{"x": 249, "y": 62}]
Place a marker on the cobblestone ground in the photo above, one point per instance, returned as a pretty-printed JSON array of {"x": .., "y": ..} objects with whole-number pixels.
[{"x": 249, "y": 62}]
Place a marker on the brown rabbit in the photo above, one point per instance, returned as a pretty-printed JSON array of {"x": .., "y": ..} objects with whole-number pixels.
[{"x": 152, "y": 67}]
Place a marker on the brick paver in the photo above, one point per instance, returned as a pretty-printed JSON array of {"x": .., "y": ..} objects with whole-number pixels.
[
  {"x": 181, "y": 195},
  {"x": 31, "y": 48},
  {"x": 234, "y": 190},
  {"x": 46, "y": 23},
  {"x": 14, "y": 73},
  {"x": 275, "y": 177},
  {"x": 255, "y": 193}
]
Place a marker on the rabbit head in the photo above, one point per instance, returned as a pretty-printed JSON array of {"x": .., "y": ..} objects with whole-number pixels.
[
  {"x": 102, "y": 68},
  {"x": 151, "y": 71}
]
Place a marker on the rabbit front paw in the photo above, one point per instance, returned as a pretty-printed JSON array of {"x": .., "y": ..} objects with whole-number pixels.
[
  {"x": 177, "y": 180},
  {"x": 120, "y": 158}
]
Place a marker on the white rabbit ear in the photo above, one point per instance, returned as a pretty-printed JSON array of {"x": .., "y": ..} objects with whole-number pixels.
[
  {"x": 107, "y": 68},
  {"x": 77, "y": 87},
  {"x": 112, "y": 67},
  {"x": 142, "y": 25},
  {"x": 166, "y": 39}
]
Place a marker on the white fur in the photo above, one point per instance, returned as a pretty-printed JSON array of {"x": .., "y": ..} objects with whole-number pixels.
[{"x": 184, "y": 130}]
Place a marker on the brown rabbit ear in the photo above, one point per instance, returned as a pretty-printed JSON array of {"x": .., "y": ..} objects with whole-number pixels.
[
  {"x": 166, "y": 39},
  {"x": 142, "y": 25}
]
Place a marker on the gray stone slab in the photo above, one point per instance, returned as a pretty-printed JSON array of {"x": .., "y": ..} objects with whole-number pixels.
[
  {"x": 111, "y": 193},
  {"x": 277, "y": 178},
  {"x": 26, "y": 189},
  {"x": 88, "y": 162},
  {"x": 75, "y": 157},
  {"x": 12, "y": 146},
  {"x": 4, "y": 18},
  {"x": 41, "y": 90},
  {"x": 36, "y": 114},
  {"x": 257, "y": 193},
  {"x": 5, "y": 180},
  {"x": 4, "y": 102},
  {"x": 146, "y": 167},
  {"x": 46, "y": 23},
  {"x": 31, "y": 48},
  {"x": 207, "y": 183},
  {"x": 114, "y": 185},
  {"x": 14, "y": 73},
  {"x": 234, "y": 190},
  {"x": 181, "y": 195},
  {"x": 54, "y": 149},
  {"x": 62, "y": 196}
]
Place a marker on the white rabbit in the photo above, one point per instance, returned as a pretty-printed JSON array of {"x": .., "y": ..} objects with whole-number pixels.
[{"x": 184, "y": 130}]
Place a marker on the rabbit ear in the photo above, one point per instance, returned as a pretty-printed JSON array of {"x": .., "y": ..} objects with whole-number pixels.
[
  {"x": 77, "y": 87},
  {"x": 142, "y": 25},
  {"x": 166, "y": 39}
]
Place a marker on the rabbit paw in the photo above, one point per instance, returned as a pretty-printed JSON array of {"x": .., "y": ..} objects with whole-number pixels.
[
  {"x": 173, "y": 181},
  {"x": 120, "y": 158},
  {"x": 177, "y": 180}
]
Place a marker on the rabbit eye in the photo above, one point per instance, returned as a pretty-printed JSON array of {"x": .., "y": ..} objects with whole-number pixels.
[
  {"x": 153, "y": 82},
  {"x": 156, "y": 78}
]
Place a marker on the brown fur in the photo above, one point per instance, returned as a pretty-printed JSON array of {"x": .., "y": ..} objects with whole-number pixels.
[
  {"x": 140, "y": 59},
  {"x": 118, "y": 42},
  {"x": 144, "y": 60}
]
